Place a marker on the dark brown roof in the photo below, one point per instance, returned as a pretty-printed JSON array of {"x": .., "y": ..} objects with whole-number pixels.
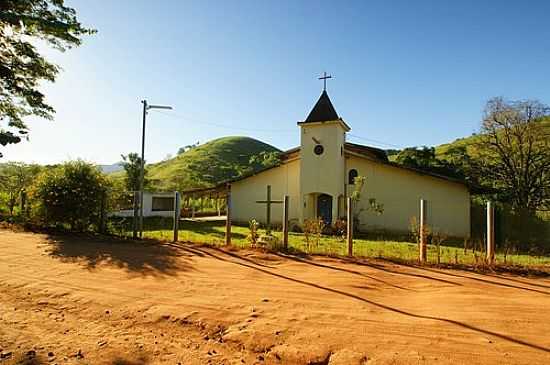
[
  {"x": 323, "y": 110},
  {"x": 367, "y": 150}
]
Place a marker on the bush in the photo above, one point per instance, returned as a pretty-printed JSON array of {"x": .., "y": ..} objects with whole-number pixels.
[
  {"x": 253, "y": 236},
  {"x": 73, "y": 195},
  {"x": 313, "y": 229}
]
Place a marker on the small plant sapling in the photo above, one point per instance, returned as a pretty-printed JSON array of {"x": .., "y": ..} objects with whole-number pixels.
[
  {"x": 356, "y": 196},
  {"x": 313, "y": 229},
  {"x": 253, "y": 234}
]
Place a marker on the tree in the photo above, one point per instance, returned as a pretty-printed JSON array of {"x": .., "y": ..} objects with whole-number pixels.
[
  {"x": 515, "y": 152},
  {"x": 15, "y": 178},
  {"x": 22, "y": 67},
  {"x": 132, "y": 166},
  {"x": 425, "y": 159},
  {"x": 73, "y": 194},
  {"x": 356, "y": 197},
  {"x": 265, "y": 159},
  {"x": 415, "y": 157},
  {"x": 187, "y": 148}
]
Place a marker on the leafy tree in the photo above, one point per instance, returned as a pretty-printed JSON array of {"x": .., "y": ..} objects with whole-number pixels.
[
  {"x": 425, "y": 159},
  {"x": 70, "y": 194},
  {"x": 357, "y": 196},
  {"x": 187, "y": 148},
  {"x": 132, "y": 166},
  {"x": 260, "y": 161},
  {"x": 415, "y": 157},
  {"x": 22, "y": 67},
  {"x": 265, "y": 159},
  {"x": 15, "y": 177},
  {"x": 515, "y": 152}
]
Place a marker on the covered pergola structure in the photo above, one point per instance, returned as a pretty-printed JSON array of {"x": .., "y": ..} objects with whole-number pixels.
[{"x": 204, "y": 202}]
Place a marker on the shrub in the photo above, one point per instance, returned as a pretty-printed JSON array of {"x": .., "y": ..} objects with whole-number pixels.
[
  {"x": 340, "y": 228},
  {"x": 72, "y": 194},
  {"x": 313, "y": 228},
  {"x": 253, "y": 236}
]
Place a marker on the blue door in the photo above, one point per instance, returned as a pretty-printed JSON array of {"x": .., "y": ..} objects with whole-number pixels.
[{"x": 324, "y": 208}]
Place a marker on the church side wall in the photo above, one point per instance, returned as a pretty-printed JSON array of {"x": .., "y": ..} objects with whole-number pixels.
[
  {"x": 284, "y": 179},
  {"x": 400, "y": 191}
]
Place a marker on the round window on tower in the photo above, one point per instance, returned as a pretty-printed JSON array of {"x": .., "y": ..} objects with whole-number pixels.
[{"x": 319, "y": 149}]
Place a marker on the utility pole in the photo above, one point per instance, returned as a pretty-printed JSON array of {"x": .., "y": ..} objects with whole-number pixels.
[
  {"x": 142, "y": 169},
  {"x": 146, "y": 107}
]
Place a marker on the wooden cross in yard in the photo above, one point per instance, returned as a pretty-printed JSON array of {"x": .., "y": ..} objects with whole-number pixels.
[{"x": 268, "y": 203}]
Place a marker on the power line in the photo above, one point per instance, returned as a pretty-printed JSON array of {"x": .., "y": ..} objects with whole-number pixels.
[
  {"x": 281, "y": 131},
  {"x": 183, "y": 117},
  {"x": 374, "y": 141}
]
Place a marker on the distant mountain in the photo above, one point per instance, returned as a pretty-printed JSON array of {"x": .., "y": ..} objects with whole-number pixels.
[
  {"x": 109, "y": 169},
  {"x": 208, "y": 164}
]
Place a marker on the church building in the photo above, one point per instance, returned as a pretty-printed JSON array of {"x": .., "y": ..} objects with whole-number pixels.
[{"x": 320, "y": 173}]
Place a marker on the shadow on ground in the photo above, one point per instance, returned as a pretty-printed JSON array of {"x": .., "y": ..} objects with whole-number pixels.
[
  {"x": 137, "y": 257},
  {"x": 252, "y": 266}
]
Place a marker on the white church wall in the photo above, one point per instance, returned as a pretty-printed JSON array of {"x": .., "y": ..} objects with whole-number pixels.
[
  {"x": 284, "y": 179},
  {"x": 400, "y": 190}
]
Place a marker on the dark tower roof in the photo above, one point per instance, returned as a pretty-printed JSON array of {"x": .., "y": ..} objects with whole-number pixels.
[{"x": 323, "y": 110}]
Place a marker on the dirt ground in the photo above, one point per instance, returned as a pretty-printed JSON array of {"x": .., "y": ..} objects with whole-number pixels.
[{"x": 75, "y": 300}]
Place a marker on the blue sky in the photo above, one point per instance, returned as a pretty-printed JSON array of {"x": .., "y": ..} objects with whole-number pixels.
[{"x": 405, "y": 72}]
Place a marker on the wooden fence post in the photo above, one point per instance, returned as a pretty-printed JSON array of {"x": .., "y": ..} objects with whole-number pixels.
[
  {"x": 490, "y": 233},
  {"x": 176, "y": 215},
  {"x": 228, "y": 220},
  {"x": 285, "y": 222},
  {"x": 349, "y": 226},
  {"x": 423, "y": 231}
]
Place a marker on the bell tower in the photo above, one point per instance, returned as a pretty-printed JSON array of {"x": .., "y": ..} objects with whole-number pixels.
[{"x": 322, "y": 162}]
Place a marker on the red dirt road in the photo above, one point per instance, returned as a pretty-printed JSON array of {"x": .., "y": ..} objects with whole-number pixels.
[{"x": 74, "y": 300}]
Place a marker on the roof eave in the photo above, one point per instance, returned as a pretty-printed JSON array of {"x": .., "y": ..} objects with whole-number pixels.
[{"x": 346, "y": 127}]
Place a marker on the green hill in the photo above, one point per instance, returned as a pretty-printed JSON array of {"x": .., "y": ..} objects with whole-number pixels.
[
  {"x": 444, "y": 151},
  {"x": 209, "y": 164}
]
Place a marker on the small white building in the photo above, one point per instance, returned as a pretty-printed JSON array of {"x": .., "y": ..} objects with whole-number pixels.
[{"x": 154, "y": 205}]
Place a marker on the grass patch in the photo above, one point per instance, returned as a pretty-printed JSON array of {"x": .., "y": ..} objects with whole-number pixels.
[{"x": 213, "y": 233}]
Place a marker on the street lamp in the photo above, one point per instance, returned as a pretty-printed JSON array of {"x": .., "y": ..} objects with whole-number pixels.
[{"x": 146, "y": 107}]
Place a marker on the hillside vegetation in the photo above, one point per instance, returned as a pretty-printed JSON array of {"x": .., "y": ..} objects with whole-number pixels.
[
  {"x": 470, "y": 143},
  {"x": 209, "y": 164},
  {"x": 443, "y": 151}
]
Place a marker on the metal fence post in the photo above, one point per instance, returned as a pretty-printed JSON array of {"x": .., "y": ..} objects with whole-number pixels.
[{"x": 176, "y": 215}]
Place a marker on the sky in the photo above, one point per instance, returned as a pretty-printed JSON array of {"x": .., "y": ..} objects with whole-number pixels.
[{"x": 405, "y": 73}]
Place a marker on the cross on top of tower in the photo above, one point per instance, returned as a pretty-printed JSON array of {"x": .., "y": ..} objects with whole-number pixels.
[{"x": 324, "y": 78}]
